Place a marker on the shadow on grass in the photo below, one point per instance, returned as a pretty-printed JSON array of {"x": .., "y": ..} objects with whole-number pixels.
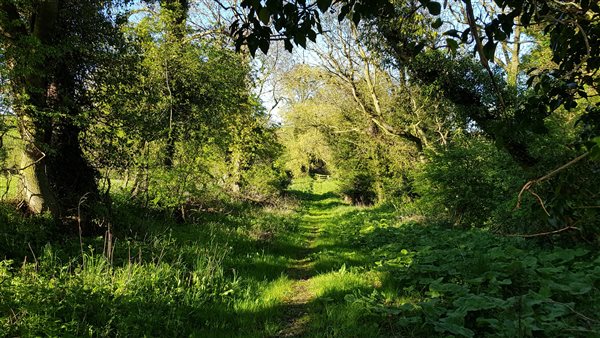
[
  {"x": 152, "y": 236},
  {"x": 310, "y": 196},
  {"x": 95, "y": 312}
]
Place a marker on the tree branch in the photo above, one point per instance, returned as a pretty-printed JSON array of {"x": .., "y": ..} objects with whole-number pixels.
[{"x": 527, "y": 187}]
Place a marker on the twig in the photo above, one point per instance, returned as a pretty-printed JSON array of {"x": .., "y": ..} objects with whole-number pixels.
[
  {"x": 546, "y": 233},
  {"x": 539, "y": 200},
  {"x": 576, "y": 312},
  {"x": 32, "y": 163},
  {"x": 33, "y": 253}
]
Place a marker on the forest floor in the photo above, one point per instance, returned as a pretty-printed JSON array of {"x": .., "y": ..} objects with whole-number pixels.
[{"x": 320, "y": 268}]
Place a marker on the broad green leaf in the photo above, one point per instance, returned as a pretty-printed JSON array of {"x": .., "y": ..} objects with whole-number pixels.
[
  {"x": 264, "y": 45},
  {"x": 434, "y": 8},
  {"x": 595, "y": 152},
  {"x": 489, "y": 49},
  {"x": 452, "y": 32},
  {"x": 264, "y": 15},
  {"x": 452, "y": 44},
  {"x": 323, "y": 5},
  {"x": 447, "y": 326}
]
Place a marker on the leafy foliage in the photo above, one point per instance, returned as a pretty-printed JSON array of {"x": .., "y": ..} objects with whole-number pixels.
[
  {"x": 474, "y": 283},
  {"x": 473, "y": 199}
]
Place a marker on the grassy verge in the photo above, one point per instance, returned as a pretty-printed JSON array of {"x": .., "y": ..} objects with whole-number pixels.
[
  {"x": 223, "y": 275},
  {"x": 378, "y": 275}
]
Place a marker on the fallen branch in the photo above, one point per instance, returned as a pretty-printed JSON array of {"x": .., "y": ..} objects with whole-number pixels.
[
  {"x": 528, "y": 185},
  {"x": 554, "y": 232}
]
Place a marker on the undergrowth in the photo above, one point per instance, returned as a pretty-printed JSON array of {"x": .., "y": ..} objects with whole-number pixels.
[
  {"x": 215, "y": 276},
  {"x": 435, "y": 280},
  {"x": 366, "y": 272}
]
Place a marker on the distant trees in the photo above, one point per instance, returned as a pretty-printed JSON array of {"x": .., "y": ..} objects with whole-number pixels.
[
  {"x": 359, "y": 115},
  {"x": 458, "y": 82}
]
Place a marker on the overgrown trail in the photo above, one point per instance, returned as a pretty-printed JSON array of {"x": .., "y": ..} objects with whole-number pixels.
[
  {"x": 300, "y": 272},
  {"x": 317, "y": 263},
  {"x": 327, "y": 269}
]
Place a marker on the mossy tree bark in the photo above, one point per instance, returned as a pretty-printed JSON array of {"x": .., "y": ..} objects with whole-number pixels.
[{"x": 54, "y": 173}]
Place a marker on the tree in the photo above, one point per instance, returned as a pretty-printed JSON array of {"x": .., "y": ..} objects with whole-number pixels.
[
  {"x": 572, "y": 27},
  {"x": 52, "y": 50},
  {"x": 177, "y": 12},
  {"x": 188, "y": 100}
]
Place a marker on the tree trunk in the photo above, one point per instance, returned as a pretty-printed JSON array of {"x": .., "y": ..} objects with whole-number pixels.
[
  {"x": 55, "y": 176},
  {"x": 513, "y": 65},
  {"x": 36, "y": 191},
  {"x": 179, "y": 11}
]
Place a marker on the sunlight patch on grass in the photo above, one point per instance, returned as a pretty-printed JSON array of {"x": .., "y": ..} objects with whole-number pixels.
[
  {"x": 271, "y": 294},
  {"x": 336, "y": 284}
]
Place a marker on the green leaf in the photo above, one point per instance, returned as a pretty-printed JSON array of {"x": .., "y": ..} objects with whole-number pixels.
[
  {"x": 343, "y": 12},
  {"x": 452, "y": 32},
  {"x": 264, "y": 45},
  {"x": 475, "y": 303},
  {"x": 312, "y": 35},
  {"x": 435, "y": 8},
  {"x": 489, "y": 50},
  {"x": 356, "y": 18},
  {"x": 500, "y": 36},
  {"x": 452, "y": 44},
  {"x": 437, "y": 23},
  {"x": 300, "y": 40},
  {"x": 252, "y": 42},
  {"x": 288, "y": 45},
  {"x": 446, "y": 325},
  {"x": 465, "y": 35},
  {"x": 264, "y": 15},
  {"x": 323, "y": 5}
]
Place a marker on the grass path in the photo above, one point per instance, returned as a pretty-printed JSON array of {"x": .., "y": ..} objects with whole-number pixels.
[
  {"x": 299, "y": 295},
  {"x": 315, "y": 269}
]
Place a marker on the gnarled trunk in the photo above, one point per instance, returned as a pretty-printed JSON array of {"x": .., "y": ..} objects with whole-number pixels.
[{"x": 55, "y": 175}]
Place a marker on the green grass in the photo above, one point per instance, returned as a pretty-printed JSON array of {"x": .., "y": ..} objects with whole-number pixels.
[{"x": 319, "y": 268}]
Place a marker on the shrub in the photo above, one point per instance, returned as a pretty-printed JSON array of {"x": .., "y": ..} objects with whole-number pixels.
[
  {"x": 360, "y": 189},
  {"x": 471, "y": 180}
]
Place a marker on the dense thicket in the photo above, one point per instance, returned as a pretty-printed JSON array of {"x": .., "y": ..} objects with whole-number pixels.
[{"x": 132, "y": 97}]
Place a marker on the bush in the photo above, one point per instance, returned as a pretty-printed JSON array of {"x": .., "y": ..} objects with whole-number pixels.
[
  {"x": 264, "y": 181},
  {"x": 360, "y": 190},
  {"x": 471, "y": 180}
]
